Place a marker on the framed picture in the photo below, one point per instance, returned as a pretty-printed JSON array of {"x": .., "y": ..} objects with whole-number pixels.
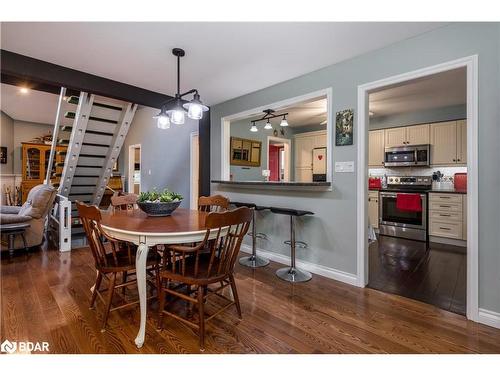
[
  {"x": 3, "y": 155},
  {"x": 344, "y": 121}
]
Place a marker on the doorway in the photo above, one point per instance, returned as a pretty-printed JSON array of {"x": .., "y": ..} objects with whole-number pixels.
[
  {"x": 469, "y": 211},
  {"x": 278, "y": 159},
  {"x": 194, "y": 170},
  {"x": 134, "y": 169}
]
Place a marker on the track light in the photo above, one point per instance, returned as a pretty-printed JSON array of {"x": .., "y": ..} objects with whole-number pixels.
[
  {"x": 254, "y": 128},
  {"x": 268, "y": 125},
  {"x": 283, "y": 121}
]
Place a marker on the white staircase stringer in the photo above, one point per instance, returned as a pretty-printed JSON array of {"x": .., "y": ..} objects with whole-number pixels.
[{"x": 114, "y": 151}]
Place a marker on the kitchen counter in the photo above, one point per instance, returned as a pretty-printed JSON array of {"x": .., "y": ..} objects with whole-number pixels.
[{"x": 276, "y": 184}]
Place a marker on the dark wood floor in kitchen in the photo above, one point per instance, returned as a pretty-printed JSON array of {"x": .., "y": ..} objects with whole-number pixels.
[
  {"x": 428, "y": 272},
  {"x": 45, "y": 296}
]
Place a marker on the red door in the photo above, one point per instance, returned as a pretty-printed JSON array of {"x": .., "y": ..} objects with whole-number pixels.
[{"x": 274, "y": 163}]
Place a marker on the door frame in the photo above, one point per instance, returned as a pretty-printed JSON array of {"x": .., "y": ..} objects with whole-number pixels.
[
  {"x": 130, "y": 182},
  {"x": 471, "y": 65},
  {"x": 193, "y": 198},
  {"x": 288, "y": 146}
]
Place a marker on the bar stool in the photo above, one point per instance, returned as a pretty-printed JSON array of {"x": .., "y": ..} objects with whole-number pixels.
[
  {"x": 292, "y": 274},
  {"x": 253, "y": 261}
]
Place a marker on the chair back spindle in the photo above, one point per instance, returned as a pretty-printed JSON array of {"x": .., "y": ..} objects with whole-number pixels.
[{"x": 213, "y": 203}]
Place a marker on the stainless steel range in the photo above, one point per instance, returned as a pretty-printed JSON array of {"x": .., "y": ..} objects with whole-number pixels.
[{"x": 403, "y": 223}]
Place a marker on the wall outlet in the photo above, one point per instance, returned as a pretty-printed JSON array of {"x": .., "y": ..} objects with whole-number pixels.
[{"x": 344, "y": 166}]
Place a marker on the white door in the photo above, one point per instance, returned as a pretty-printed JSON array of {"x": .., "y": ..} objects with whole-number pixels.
[
  {"x": 376, "y": 148},
  {"x": 395, "y": 137},
  {"x": 444, "y": 143},
  {"x": 462, "y": 141},
  {"x": 303, "y": 174},
  {"x": 303, "y": 152},
  {"x": 417, "y": 135}
]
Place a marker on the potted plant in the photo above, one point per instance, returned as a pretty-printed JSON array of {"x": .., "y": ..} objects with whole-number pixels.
[{"x": 155, "y": 203}]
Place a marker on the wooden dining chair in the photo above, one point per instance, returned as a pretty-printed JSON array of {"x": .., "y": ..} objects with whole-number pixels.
[
  {"x": 208, "y": 272},
  {"x": 110, "y": 260},
  {"x": 124, "y": 202},
  {"x": 213, "y": 203}
]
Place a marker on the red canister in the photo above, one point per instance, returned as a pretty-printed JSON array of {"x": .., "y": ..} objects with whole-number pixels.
[
  {"x": 460, "y": 181},
  {"x": 374, "y": 183}
]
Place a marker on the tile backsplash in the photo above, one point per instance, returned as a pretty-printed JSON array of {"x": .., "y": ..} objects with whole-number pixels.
[{"x": 448, "y": 172}]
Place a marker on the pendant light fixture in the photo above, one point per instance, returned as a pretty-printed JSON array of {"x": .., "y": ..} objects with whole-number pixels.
[
  {"x": 176, "y": 114},
  {"x": 269, "y": 114}
]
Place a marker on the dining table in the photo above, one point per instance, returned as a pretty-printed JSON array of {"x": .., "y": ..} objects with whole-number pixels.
[{"x": 135, "y": 226}]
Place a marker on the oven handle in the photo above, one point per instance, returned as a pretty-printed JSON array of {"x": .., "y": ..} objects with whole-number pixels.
[{"x": 394, "y": 195}]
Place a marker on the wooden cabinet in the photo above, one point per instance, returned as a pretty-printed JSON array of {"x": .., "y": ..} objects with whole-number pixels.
[
  {"x": 407, "y": 135},
  {"x": 449, "y": 143},
  {"x": 373, "y": 213},
  {"x": 304, "y": 144},
  {"x": 417, "y": 135},
  {"x": 395, "y": 137},
  {"x": 35, "y": 160},
  {"x": 245, "y": 152},
  {"x": 376, "y": 148},
  {"x": 447, "y": 216}
]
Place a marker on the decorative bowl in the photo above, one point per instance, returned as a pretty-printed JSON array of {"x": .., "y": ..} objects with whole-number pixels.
[{"x": 159, "y": 208}]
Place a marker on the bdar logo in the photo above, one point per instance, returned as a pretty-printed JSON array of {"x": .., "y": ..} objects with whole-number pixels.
[{"x": 8, "y": 347}]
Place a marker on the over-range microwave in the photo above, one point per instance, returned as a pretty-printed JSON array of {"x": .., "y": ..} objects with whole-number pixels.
[{"x": 407, "y": 156}]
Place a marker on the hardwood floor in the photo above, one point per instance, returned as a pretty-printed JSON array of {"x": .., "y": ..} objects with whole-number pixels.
[
  {"x": 428, "y": 272},
  {"x": 45, "y": 297}
]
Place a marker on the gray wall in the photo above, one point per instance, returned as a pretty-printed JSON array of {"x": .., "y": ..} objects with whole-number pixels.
[
  {"x": 7, "y": 140},
  {"x": 456, "y": 112},
  {"x": 331, "y": 232},
  {"x": 26, "y": 132},
  {"x": 166, "y": 153}
]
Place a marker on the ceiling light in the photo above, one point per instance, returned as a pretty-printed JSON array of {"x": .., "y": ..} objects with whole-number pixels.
[
  {"x": 283, "y": 121},
  {"x": 195, "y": 108},
  {"x": 24, "y": 90},
  {"x": 268, "y": 115},
  {"x": 177, "y": 114},
  {"x": 268, "y": 125},
  {"x": 254, "y": 128}
]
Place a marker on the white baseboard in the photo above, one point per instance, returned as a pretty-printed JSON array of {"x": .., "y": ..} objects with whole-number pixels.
[
  {"x": 331, "y": 273},
  {"x": 490, "y": 318}
]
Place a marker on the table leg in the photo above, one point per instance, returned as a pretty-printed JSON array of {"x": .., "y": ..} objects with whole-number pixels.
[{"x": 140, "y": 267}]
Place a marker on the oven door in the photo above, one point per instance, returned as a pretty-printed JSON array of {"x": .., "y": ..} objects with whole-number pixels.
[{"x": 390, "y": 215}]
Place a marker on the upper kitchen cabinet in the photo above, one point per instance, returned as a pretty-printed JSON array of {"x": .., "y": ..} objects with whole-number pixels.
[
  {"x": 407, "y": 135},
  {"x": 376, "y": 148},
  {"x": 449, "y": 143},
  {"x": 395, "y": 137}
]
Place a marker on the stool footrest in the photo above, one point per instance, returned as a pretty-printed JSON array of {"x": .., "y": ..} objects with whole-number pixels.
[{"x": 300, "y": 244}]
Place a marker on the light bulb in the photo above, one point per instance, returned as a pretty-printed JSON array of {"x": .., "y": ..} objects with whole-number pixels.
[
  {"x": 254, "y": 128},
  {"x": 177, "y": 116},
  {"x": 268, "y": 125},
  {"x": 195, "y": 111},
  {"x": 284, "y": 122},
  {"x": 163, "y": 122}
]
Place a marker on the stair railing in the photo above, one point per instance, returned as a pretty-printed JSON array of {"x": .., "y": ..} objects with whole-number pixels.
[{"x": 55, "y": 134}]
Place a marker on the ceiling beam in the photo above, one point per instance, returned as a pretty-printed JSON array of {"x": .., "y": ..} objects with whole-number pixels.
[{"x": 44, "y": 76}]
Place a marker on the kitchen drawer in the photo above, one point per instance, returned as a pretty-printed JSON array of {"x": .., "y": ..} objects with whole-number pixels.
[
  {"x": 446, "y": 229},
  {"x": 445, "y": 216},
  {"x": 373, "y": 194},
  {"x": 446, "y": 206},
  {"x": 445, "y": 198}
]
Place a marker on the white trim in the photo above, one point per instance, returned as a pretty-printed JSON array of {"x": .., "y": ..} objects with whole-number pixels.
[
  {"x": 490, "y": 318},
  {"x": 131, "y": 167},
  {"x": 317, "y": 269},
  {"x": 287, "y": 143},
  {"x": 193, "y": 164},
  {"x": 471, "y": 63},
  {"x": 226, "y": 120}
]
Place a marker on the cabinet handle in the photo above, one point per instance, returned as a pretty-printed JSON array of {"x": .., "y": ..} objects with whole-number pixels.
[
  {"x": 444, "y": 197},
  {"x": 444, "y": 206},
  {"x": 458, "y": 159},
  {"x": 444, "y": 228},
  {"x": 445, "y": 215},
  {"x": 454, "y": 159}
]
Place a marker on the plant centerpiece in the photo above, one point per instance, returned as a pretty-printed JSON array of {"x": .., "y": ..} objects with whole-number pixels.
[{"x": 155, "y": 203}]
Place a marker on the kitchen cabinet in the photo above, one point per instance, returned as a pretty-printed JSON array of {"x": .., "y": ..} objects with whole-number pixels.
[
  {"x": 373, "y": 208},
  {"x": 304, "y": 143},
  {"x": 446, "y": 215},
  {"x": 376, "y": 148},
  {"x": 407, "y": 135},
  {"x": 395, "y": 137},
  {"x": 449, "y": 143}
]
